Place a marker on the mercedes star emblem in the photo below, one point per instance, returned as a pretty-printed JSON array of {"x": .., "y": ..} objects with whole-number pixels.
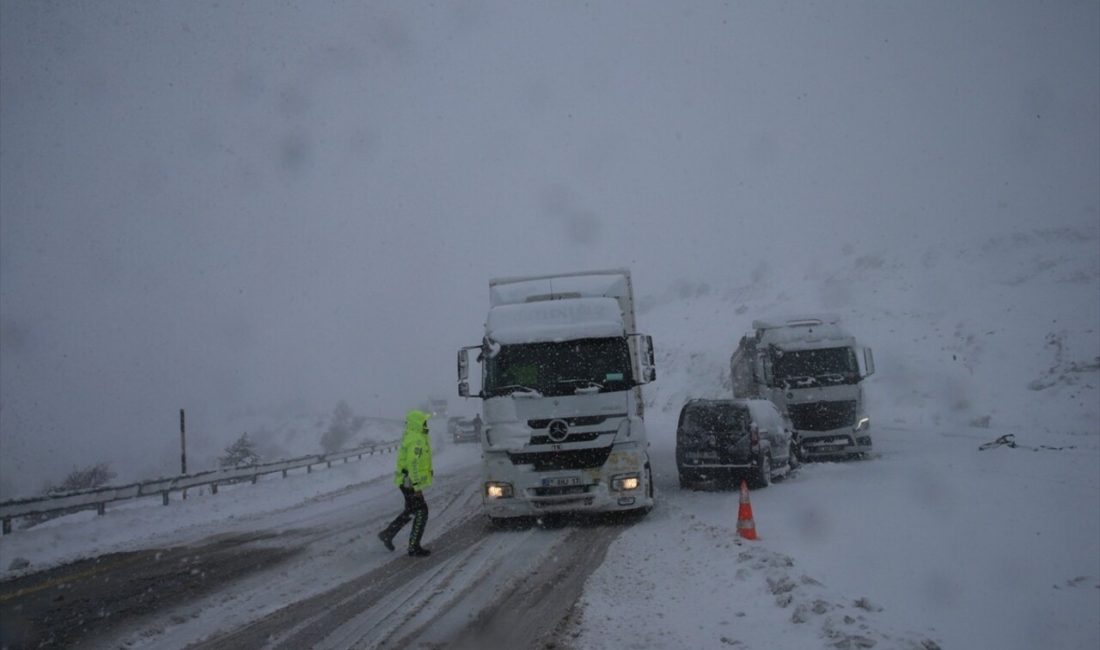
[{"x": 559, "y": 430}]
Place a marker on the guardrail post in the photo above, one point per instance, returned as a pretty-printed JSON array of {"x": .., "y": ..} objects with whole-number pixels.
[
  {"x": 101, "y": 508},
  {"x": 284, "y": 473},
  {"x": 7, "y": 526},
  {"x": 309, "y": 469},
  {"x": 213, "y": 488},
  {"x": 254, "y": 477},
  {"x": 164, "y": 497}
]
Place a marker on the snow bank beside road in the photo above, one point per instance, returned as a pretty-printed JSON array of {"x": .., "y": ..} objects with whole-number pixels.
[
  {"x": 144, "y": 523},
  {"x": 933, "y": 543}
]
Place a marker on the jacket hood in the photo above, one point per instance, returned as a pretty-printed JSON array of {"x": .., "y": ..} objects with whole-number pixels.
[{"x": 415, "y": 421}]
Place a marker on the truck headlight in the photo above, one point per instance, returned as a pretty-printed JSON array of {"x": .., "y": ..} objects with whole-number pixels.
[
  {"x": 863, "y": 424},
  {"x": 495, "y": 490},
  {"x": 625, "y": 482}
]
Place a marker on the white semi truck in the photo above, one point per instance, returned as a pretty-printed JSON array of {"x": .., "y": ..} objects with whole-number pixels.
[
  {"x": 561, "y": 374},
  {"x": 811, "y": 368}
]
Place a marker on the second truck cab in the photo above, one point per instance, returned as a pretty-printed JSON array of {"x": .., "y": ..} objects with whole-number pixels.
[{"x": 811, "y": 368}]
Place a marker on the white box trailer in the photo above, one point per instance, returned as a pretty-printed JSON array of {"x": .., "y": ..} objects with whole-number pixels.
[
  {"x": 561, "y": 376},
  {"x": 812, "y": 369}
]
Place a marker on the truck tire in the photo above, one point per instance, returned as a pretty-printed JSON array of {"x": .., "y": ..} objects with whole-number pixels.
[{"x": 762, "y": 475}]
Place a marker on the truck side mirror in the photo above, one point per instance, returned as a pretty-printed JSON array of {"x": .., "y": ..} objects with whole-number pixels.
[
  {"x": 641, "y": 358},
  {"x": 463, "y": 369},
  {"x": 868, "y": 362},
  {"x": 650, "y": 364},
  {"x": 764, "y": 368}
]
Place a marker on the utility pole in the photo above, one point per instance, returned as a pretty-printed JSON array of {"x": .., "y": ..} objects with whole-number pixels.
[
  {"x": 183, "y": 443},
  {"x": 183, "y": 447}
]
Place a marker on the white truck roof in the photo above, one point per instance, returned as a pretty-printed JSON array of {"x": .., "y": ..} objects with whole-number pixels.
[
  {"x": 554, "y": 320},
  {"x": 807, "y": 331},
  {"x": 608, "y": 283}
]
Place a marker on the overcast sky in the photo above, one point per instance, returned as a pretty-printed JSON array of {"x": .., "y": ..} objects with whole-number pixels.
[{"x": 267, "y": 207}]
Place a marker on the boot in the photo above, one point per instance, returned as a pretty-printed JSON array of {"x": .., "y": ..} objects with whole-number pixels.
[
  {"x": 418, "y": 551},
  {"x": 387, "y": 540}
]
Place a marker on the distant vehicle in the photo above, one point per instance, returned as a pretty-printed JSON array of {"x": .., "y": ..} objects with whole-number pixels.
[
  {"x": 725, "y": 441},
  {"x": 464, "y": 429},
  {"x": 810, "y": 367},
  {"x": 437, "y": 406},
  {"x": 562, "y": 370}
]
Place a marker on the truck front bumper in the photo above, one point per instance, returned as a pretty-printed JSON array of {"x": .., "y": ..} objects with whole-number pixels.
[
  {"x": 622, "y": 483},
  {"x": 835, "y": 444}
]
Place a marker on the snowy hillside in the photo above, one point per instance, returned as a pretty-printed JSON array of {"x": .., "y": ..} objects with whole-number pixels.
[
  {"x": 1002, "y": 333},
  {"x": 921, "y": 547}
]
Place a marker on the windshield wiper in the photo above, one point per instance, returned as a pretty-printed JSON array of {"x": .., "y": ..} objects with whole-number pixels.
[
  {"x": 798, "y": 382},
  {"x": 518, "y": 390},
  {"x": 590, "y": 386}
]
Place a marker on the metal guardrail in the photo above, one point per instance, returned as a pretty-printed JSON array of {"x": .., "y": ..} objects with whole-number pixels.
[{"x": 100, "y": 497}]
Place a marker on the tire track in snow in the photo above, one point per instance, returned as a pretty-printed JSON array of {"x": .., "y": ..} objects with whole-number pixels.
[{"x": 480, "y": 588}]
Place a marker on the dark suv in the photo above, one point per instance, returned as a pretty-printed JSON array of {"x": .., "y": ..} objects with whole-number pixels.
[{"x": 722, "y": 441}]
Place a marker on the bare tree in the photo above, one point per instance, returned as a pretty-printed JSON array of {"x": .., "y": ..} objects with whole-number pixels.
[
  {"x": 240, "y": 454},
  {"x": 341, "y": 428},
  {"x": 91, "y": 476}
]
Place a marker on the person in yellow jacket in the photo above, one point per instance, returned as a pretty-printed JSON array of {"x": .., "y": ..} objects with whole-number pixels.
[{"x": 413, "y": 474}]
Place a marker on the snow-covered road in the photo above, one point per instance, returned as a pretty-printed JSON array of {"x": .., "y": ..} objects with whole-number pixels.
[
  {"x": 931, "y": 543},
  {"x": 309, "y": 572}
]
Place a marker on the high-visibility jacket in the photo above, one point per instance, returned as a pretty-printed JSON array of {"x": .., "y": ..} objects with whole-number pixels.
[{"x": 414, "y": 458}]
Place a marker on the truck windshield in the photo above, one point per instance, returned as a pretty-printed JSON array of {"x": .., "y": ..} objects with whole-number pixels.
[
  {"x": 560, "y": 368},
  {"x": 829, "y": 366}
]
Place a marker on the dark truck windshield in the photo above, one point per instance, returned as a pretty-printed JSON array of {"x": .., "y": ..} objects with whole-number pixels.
[
  {"x": 829, "y": 366},
  {"x": 714, "y": 418},
  {"x": 560, "y": 368}
]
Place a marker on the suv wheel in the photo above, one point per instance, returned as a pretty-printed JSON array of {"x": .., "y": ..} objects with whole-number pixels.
[
  {"x": 792, "y": 457},
  {"x": 763, "y": 476}
]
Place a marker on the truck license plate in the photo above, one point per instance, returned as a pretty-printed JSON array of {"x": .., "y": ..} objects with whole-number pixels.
[{"x": 561, "y": 481}]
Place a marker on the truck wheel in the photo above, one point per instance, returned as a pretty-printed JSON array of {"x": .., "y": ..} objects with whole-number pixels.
[{"x": 763, "y": 476}]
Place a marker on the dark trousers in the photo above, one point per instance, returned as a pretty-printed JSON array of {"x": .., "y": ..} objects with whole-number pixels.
[{"x": 416, "y": 508}]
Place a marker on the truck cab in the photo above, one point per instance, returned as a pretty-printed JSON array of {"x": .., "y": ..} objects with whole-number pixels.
[
  {"x": 561, "y": 377},
  {"x": 812, "y": 369}
]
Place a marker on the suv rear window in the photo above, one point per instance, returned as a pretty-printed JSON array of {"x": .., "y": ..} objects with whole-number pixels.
[{"x": 713, "y": 418}]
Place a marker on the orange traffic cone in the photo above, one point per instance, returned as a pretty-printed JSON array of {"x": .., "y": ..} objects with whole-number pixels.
[{"x": 746, "y": 527}]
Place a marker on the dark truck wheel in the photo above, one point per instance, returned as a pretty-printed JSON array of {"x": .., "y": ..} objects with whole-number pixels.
[{"x": 762, "y": 475}]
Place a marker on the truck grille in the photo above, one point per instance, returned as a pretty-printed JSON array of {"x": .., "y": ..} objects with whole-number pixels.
[
  {"x": 579, "y": 421},
  {"x": 587, "y": 436},
  {"x": 571, "y": 459},
  {"x": 822, "y": 416}
]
